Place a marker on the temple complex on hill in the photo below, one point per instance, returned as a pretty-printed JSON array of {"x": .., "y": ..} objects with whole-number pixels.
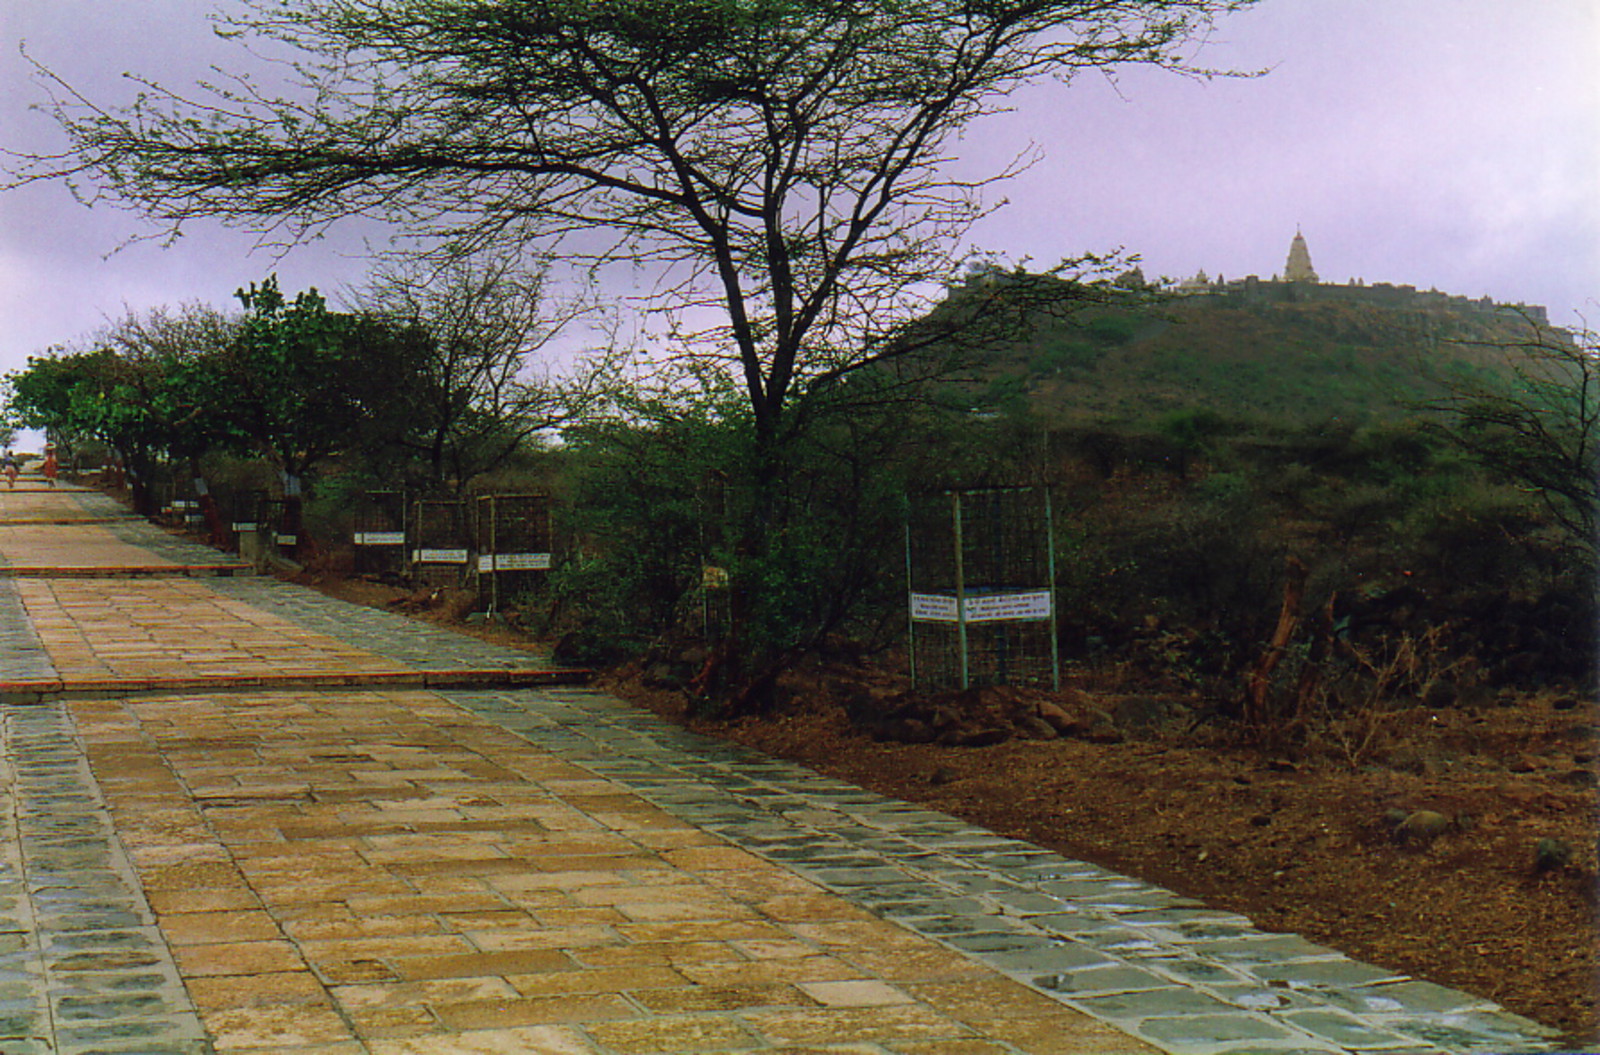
[{"x": 1299, "y": 282}]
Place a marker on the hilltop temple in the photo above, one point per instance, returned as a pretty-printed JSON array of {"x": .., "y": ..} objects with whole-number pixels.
[
  {"x": 1299, "y": 282},
  {"x": 1299, "y": 268}
]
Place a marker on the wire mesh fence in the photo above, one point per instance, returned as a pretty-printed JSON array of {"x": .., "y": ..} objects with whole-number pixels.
[
  {"x": 378, "y": 533},
  {"x": 441, "y": 542},
  {"x": 981, "y": 569},
  {"x": 277, "y": 524},
  {"x": 514, "y": 545},
  {"x": 241, "y": 512},
  {"x": 176, "y": 506}
]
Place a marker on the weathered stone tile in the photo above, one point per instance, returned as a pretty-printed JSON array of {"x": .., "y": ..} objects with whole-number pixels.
[
  {"x": 279, "y": 1027},
  {"x": 726, "y": 998},
  {"x": 674, "y": 1034},
  {"x": 863, "y": 992},
  {"x": 826, "y": 1025},
  {"x": 430, "y": 993},
  {"x": 480, "y": 964},
  {"x": 765, "y": 972},
  {"x": 203, "y": 928},
  {"x": 596, "y": 980},
  {"x": 527, "y": 1040},
  {"x": 238, "y": 958},
  {"x": 529, "y": 1011}
]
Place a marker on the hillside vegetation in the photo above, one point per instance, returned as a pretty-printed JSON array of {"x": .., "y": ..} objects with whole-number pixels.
[
  {"x": 1207, "y": 453},
  {"x": 1281, "y": 364}
]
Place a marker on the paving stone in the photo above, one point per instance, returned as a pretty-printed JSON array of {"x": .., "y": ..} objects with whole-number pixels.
[
  {"x": 91, "y": 944},
  {"x": 1404, "y": 997},
  {"x": 28, "y": 1045},
  {"x": 1215, "y": 1033},
  {"x": 21, "y": 1023},
  {"x": 1104, "y": 979},
  {"x": 1477, "y": 1031},
  {"x": 1178, "y": 939},
  {"x": 1323, "y": 974},
  {"x": 1344, "y": 1030},
  {"x": 1147, "y": 1003}
]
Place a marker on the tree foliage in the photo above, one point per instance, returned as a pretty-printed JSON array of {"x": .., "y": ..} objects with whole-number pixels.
[
  {"x": 780, "y": 169},
  {"x": 782, "y": 161},
  {"x": 304, "y": 383},
  {"x": 1538, "y": 425},
  {"x": 144, "y": 388},
  {"x": 429, "y": 384},
  {"x": 477, "y": 326}
]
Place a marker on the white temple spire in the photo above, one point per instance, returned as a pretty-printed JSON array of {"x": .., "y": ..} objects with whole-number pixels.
[{"x": 1299, "y": 268}]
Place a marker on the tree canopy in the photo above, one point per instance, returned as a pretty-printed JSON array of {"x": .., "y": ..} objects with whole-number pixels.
[
  {"x": 782, "y": 161},
  {"x": 1537, "y": 424}
]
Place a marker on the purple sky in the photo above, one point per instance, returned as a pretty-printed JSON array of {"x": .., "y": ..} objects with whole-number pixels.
[{"x": 1442, "y": 143}]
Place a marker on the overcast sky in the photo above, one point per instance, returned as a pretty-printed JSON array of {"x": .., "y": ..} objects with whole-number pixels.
[{"x": 1442, "y": 143}]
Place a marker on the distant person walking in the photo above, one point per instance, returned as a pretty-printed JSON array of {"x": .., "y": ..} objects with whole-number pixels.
[
  {"x": 50, "y": 467},
  {"x": 10, "y": 469}
]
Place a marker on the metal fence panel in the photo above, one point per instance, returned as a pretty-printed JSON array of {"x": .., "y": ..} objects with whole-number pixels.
[{"x": 980, "y": 566}]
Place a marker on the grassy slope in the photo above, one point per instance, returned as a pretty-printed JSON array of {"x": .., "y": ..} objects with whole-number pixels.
[{"x": 1286, "y": 364}]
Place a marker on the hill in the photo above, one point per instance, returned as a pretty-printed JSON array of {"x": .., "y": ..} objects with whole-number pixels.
[{"x": 1132, "y": 360}]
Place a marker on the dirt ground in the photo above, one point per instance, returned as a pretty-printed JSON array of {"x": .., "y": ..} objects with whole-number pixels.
[{"x": 1333, "y": 844}]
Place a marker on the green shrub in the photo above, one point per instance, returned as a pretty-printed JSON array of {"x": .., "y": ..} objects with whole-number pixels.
[{"x": 1113, "y": 329}]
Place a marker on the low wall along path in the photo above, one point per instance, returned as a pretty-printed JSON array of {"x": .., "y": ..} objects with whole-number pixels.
[{"x": 242, "y": 817}]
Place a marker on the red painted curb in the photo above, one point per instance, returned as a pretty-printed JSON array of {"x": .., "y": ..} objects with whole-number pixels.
[
  {"x": 140, "y": 571},
  {"x": 38, "y": 688}
]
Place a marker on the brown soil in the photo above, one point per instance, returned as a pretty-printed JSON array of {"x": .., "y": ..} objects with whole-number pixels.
[{"x": 1307, "y": 844}]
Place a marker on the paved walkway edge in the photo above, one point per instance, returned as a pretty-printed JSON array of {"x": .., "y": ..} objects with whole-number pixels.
[
  {"x": 1164, "y": 968},
  {"x": 34, "y": 691},
  {"x": 137, "y": 571},
  {"x": 85, "y": 969}
]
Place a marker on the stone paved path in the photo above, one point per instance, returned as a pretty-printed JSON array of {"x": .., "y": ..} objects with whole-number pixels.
[{"x": 302, "y": 866}]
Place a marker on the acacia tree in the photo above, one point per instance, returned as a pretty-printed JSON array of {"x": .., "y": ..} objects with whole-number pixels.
[
  {"x": 783, "y": 161},
  {"x": 478, "y": 323},
  {"x": 1537, "y": 424}
]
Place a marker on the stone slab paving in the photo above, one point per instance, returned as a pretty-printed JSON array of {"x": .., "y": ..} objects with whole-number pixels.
[
  {"x": 345, "y": 872},
  {"x": 38, "y": 504},
  {"x": 128, "y": 631},
  {"x": 1165, "y": 968},
  {"x": 416, "y": 644},
  {"x": 174, "y": 548},
  {"x": 83, "y": 967},
  {"x": 69, "y": 531},
  {"x": 64, "y": 547},
  {"x": 226, "y": 627},
  {"x": 22, "y": 654}
]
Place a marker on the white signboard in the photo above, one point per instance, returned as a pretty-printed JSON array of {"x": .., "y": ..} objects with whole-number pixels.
[
  {"x": 439, "y": 556},
  {"x": 287, "y": 540},
  {"x": 982, "y": 608},
  {"x": 514, "y": 562},
  {"x": 933, "y": 608},
  {"x": 380, "y": 538},
  {"x": 242, "y": 526}
]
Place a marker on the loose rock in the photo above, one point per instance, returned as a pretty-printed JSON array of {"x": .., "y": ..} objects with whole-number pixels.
[
  {"x": 1422, "y": 828},
  {"x": 1550, "y": 854}
]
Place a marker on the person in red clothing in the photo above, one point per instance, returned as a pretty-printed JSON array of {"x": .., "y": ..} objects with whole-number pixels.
[{"x": 50, "y": 468}]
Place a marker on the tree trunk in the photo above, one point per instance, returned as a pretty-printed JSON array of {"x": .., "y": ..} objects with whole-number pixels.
[
  {"x": 1259, "y": 687},
  {"x": 216, "y": 530}
]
